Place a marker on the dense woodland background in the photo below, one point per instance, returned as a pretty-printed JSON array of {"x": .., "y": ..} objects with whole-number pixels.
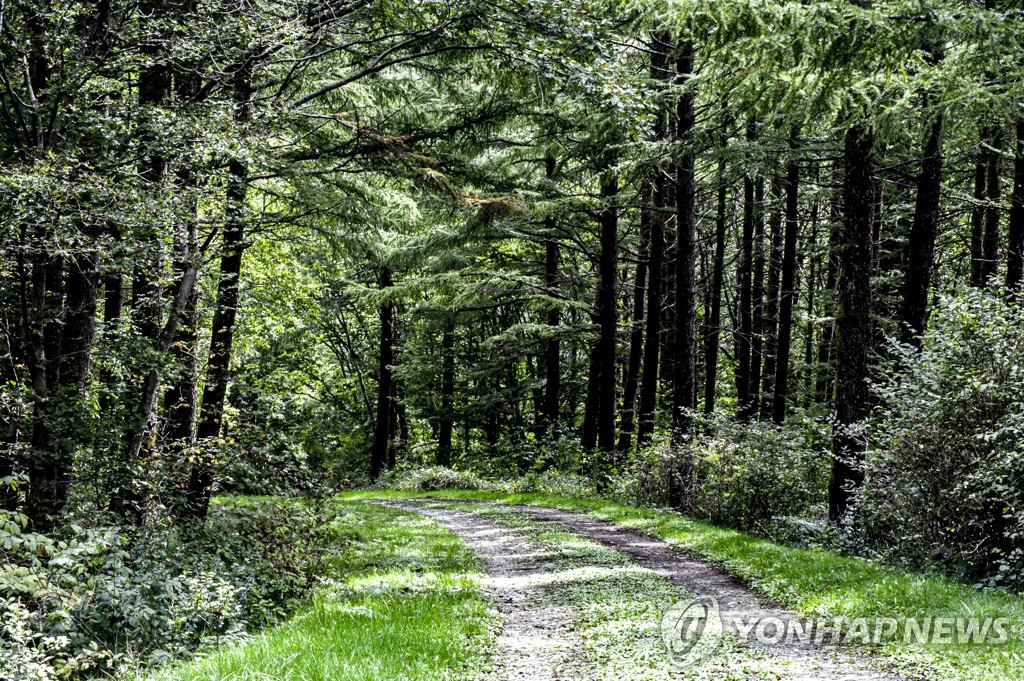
[{"x": 756, "y": 260}]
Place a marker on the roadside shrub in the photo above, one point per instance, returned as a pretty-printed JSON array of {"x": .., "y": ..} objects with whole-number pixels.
[
  {"x": 737, "y": 474},
  {"x": 430, "y": 479},
  {"x": 945, "y": 471},
  {"x": 551, "y": 482},
  {"x": 108, "y": 600}
]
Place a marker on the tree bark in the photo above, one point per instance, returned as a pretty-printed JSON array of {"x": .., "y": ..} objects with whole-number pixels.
[
  {"x": 745, "y": 295},
  {"x": 920, "y": 255},
  {"x": 684, "y": 392},
  {"x": 825, "y": 384},
  {"x": 715, "y": 316},
  {"x": 655, "y": 260},
  {"x": 757, "y": 307},
  {"x": 1015, "y": 246},
  {"x": 788, "y": 284},
  {"x": 552, "y": 349},
  {"x": 444, "y": 438},
  {"x": 222, "y": 334},
  {"x": 978, "y": 215},
  {"x": 605, "y": 356},
  {"x": 993, "y": 186},
  {"x": 180, "y": 399},
  {"x": 385, "y": 380},
  {"x": 771, "y": 305},
  {"x": 636, "y": 335},
  {"x": 813, "y": 268},
  {"x": 853, "y": 319}
]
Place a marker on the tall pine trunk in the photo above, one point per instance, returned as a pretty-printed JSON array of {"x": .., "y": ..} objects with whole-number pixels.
[
  {"x": 636, "y": 335},
  {"x": 757, "y": 306},
  {"x": 788, "y": 287},
  {"x": 385, "y": 381},
  {"x": 715, "y": 314},
  {"x": 552, "y": 349},
  {"x": 444, "y": 438},
  {"x": 603, "y": 358},
  {"x": 920, "y": 254},
  {"x": 978, "y": 266},
  {"x": 222, "y": 334},
  {"x": 771, "y": 304},
  {"x": 993, "y": 190},
  {"x": 684, "y": 392},
  {"x": 655, "y": 259},
  {"x": 1015, "y": 246},
  {"x": 853, "y": 319},
  {"x": 744, "y": 275}
]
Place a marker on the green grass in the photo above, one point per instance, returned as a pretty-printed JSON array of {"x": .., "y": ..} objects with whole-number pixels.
[
  {"x": 401, "y": 600},
  {"x": 815, "y": 582}
]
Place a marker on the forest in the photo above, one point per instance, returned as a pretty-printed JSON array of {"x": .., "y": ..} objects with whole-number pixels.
[{"x": 757, "y": 264}]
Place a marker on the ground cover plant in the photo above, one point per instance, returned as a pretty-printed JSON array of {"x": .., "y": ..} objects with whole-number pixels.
[{"x": 400, "y": 599}]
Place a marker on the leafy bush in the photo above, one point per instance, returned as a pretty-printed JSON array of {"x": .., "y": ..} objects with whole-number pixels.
[
  {"x": 430, "y": 479},
  {"x": 103, "y": 599},
  {"x": 945, "y": 472},
  {"x": 736, "y": 474}
]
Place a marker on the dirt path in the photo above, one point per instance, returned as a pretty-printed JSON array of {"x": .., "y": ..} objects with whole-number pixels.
[
  {"x": 537, "y": 642},
  {"x": 736, "y": 600}
]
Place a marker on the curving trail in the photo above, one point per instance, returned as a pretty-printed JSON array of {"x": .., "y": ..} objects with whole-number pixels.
[{"x": 538, "y": 641}]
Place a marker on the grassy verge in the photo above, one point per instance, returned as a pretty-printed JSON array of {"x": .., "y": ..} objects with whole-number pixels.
[
  {"x": 401, "y": 600},
  {"x": 816, "y": 582}
]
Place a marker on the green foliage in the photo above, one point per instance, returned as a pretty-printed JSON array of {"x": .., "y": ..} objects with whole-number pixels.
[
  {"x": 430, "y": 479},
  {"x": 742, "y": 475},
  {"x": 946, "y": 463},
  {"x": 396, "y": 582},
  {"x": 101, "y": 600}
]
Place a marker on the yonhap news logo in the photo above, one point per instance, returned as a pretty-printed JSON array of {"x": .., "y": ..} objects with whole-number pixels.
[{"x": 692, "y": 631}]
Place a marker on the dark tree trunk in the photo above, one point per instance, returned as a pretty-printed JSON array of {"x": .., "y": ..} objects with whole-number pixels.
[
  {"x": 758, "y": 313},
  {"x": 552, "y": 349},
  {"x": 920, "y": 254},
  {"x": 444, "y": 437},
  {"x": 853, "y": 320},
  {"x": 636, "y": 335},
  {"x": 76, "y": 345},
  {"x": 813, "y": 267},
  {"x": 180, "y": 399},
  {"x": 1015, "y": 246},
  {"x": 47, "y": 492},
  {"x": 603, "y": 369},
  {"x": 62, "y": 331},
  {"x": 655, "y": 262},
  {"x": 990, "y": 240},
  {"x": 148, "y": 269},
  {"x": 684, "y": 391},
  {"x": 788, "y": 292},
  {"x": 745, "y": 279},
  {"x": 978, "y": 214},
  {"x": 826, "y": 348},
  {"x": 385, "y": 380},
  {"x": 393, "y": 426},
  {"x": 771, "y": 305},
  {"x": 222, "y": 335},
  {"x": 715, "y": 314}
]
